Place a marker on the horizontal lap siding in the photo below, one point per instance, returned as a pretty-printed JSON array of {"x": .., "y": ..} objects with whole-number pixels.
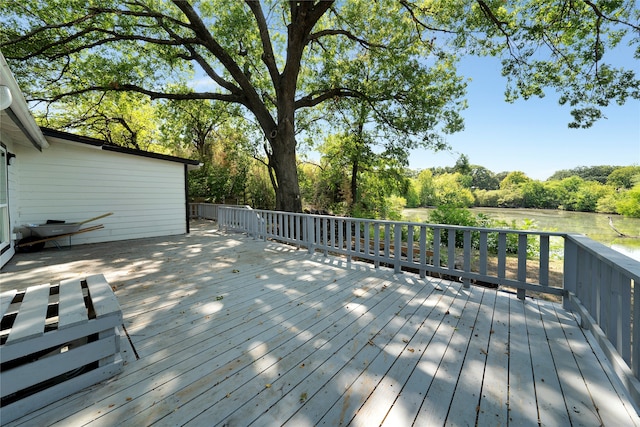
[{"x": 74, "y": 183}]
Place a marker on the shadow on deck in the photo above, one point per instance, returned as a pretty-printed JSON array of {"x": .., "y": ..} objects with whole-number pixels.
[{"x": 233, "y": 331}]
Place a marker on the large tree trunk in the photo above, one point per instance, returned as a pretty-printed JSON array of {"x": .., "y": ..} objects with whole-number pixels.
[{"x": 283, "y": 161}]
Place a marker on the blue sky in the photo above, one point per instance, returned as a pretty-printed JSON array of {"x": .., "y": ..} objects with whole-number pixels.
[{"x": 532, "y": 136}]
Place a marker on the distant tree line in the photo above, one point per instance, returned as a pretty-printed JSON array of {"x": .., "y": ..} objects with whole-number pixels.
[{"x": 607, "y": 189}]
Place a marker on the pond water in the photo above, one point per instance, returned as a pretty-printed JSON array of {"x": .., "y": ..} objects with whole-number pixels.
[{"x": 596, "y": 226}]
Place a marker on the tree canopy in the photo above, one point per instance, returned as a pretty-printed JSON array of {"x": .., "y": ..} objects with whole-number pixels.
[{"x": 277, "y": 60}]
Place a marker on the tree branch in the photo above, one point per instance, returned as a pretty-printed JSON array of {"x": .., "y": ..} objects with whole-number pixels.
[
  {"x": 117, "y": 87},
  {"x": 251, "y": 99},
  {"x": 311, "y": 101},
  {"x": 601, "y": 15},
  {"x": 268, "y": 57},
  {"x": 348, "y": 34}
]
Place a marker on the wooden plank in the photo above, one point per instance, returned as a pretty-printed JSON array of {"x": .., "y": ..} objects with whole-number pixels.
[
  {"x": 5, "y": 301},
  {"x": 523, "y": 410},
  {"x": 359, "y": 378},
  {"x": 33, "y": 373},
  {"x": 412, "y": 347},
  {"x": 209, "y": 357},
  {"x": 576, "y": 394},
  {"x": 71, "y": 305},
  {"x": 438, "y": 397},
  {"x": 335, "y": 343},
  {"x": 407, "y": 405},
  {"x": 33, "y": 403},
  {"x": 57, "y": 338},
  {"x": 31, "y": 315},
  {"x": 548, "y": 389},
  {"x": 102, "y": 297},
  {"x": 605, "y": 401},
  {"x": 465, "y": 403},
  {"x": 494, "y": 401},
  {"x": 252, "y": 334}
]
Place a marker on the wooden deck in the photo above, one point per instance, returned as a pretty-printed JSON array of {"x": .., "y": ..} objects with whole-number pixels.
[{"x": 235, "y": 332}]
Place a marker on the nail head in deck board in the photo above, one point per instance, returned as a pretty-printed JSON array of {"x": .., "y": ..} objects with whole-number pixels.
[
  {"x": 72, "y": 309},
  {"x": 29, "y": 322}
]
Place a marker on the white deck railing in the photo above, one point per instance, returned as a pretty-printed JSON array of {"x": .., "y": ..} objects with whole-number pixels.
[{"x": 595, "y": 281}]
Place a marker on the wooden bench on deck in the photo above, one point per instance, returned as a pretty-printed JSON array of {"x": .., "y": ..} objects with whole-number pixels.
[{"x": 56, "y": 340}]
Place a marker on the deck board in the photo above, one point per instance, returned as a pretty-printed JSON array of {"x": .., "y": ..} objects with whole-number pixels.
[{"x": 232, "y": 331}]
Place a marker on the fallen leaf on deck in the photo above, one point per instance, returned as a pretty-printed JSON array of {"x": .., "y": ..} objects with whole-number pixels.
[
  {"x": 219, "y": 297},
  {"x": 236, "y": 271},
  {"x": 267, "y": 385},
  {"x": 303, "y": 397}
]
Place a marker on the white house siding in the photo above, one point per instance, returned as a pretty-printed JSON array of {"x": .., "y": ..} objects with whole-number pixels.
[{"x": 74, "y": 182}]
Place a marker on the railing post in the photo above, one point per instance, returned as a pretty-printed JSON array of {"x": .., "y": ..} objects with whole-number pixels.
[{"x": 570, "y": 276}]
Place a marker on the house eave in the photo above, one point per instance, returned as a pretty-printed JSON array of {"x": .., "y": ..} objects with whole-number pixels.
[{"x": 18, "y": 112}]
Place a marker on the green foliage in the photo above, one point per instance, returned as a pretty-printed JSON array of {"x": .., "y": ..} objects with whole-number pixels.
[
  {"x": 629, "y": 203},
  {"x": 426, "y": 188},
  {"x": 259, "y": 191},
  {"x": 512, "y": 239},
  {"x": 411, "y": 195},
  {"x": 514, "y": 179},
  {"x": 588, "y": 173},
  {"x": 483, "y": 179},
  {"x": 282, "y": 62},
  {"x": 451, "y": 190},
  {"x": 624, "y": 177},
  {"x": 487, "y": 198},
  {"x": 453, "y": 215},
  {"x": 123, "y": 119}
]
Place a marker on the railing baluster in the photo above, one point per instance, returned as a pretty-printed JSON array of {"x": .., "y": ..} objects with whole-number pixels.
[
  {"x": 409, "y": 243},
  {"x": 502, "y": 254},
  {"x": 482, "y": 268},
  {"x": 522, "y": 263},
  {"x": 436, "y": 247},
  {"x": 451, "y": 249},
  {"x": 376, "y": 244},
  {"x": 633, "y": 359},
  {"x": 397, "y": 253},
  {"x": 423, "y": 250},
  {"x": 467, "y": 257},
  {"x": 543, "y": 270}
]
